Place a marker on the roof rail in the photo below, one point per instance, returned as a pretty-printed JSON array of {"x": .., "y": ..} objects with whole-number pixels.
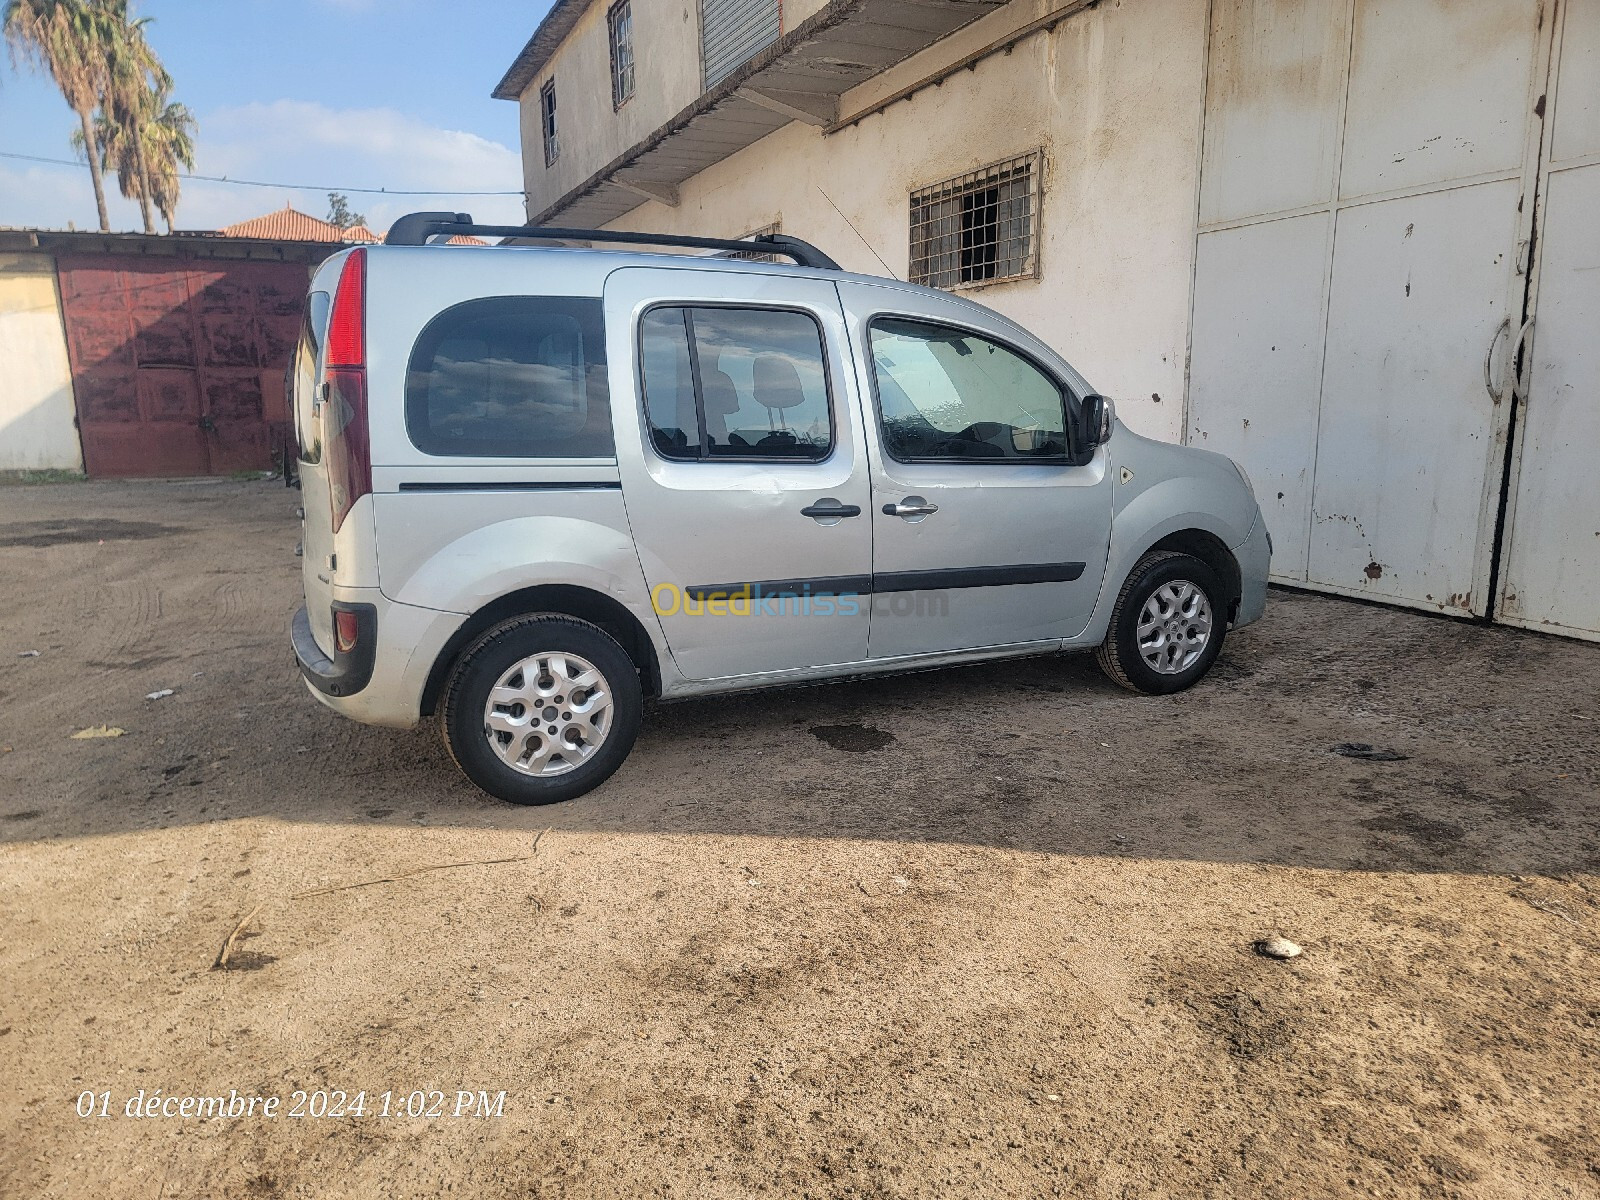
[{"x": 417, "y": 229}]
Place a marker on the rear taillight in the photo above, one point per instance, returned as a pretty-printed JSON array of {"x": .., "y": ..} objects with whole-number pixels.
[
  {"x": 345, "y": 631},
  {"x": 346, "y": 445}
]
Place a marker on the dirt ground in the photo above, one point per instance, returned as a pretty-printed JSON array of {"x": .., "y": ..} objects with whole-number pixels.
[{"x": 979, "y": 932}]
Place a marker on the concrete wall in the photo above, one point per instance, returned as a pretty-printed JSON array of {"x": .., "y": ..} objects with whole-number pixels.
[
  {"x": 667, "y": 77},
  {"x": 1114, "y": 97},
  {"x": 38, "y": 429},
  {"x": 666, "y": 44}
]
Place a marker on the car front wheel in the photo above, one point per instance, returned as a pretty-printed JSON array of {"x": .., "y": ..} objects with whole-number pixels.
[
  {"x": 541, "y": 708},
  {"x": 1167, "y": 626}
]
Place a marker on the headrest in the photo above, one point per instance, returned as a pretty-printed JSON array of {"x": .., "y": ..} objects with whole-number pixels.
[
  {"x": 721, "y": 396},
  {"x": 775, "y": 382}
]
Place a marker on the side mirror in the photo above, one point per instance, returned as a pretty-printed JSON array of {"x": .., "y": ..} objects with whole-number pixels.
[{"x": 1096, "y": 418}]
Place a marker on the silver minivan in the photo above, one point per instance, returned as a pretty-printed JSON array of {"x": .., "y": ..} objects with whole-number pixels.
[{"x": 542, "y": 484}]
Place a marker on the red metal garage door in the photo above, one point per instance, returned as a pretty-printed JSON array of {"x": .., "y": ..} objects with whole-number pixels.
[{"x": 178, "y": 365}]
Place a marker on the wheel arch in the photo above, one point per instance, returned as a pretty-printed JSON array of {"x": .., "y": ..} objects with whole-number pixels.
[
  {"x": 1211, "y": 550},
  {"x": 560, "y": 599}
]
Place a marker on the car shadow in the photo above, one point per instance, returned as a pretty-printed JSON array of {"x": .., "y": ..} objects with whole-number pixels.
[{"x": 1479, "y": 755}]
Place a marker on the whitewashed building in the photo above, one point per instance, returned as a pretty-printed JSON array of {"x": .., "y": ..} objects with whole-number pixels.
[{"x": 1354, "y": 244}]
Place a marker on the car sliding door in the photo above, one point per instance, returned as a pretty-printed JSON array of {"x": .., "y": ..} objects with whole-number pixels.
[{"x": 740, "y": 446}]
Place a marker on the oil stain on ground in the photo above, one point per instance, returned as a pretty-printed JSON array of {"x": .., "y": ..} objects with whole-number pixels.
[
  {"x": 58, "y": 533},
  {"x": 855, "y": 739}
]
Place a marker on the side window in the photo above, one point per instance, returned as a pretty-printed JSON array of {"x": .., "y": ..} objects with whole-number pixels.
[
  {"x": 946, "y": 394},
  {"x": 547, "y": 122},
  {"x": 735, "y": 383},
  {"x": 511, "y": 377},
  {"x": 303, "y": 378},
  {"x": 619, "y": 23}
]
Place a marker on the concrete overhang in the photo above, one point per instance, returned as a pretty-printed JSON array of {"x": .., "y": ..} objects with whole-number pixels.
[
  {"x": 798, "y": 77},
  {"x": 546, "y": 40}
]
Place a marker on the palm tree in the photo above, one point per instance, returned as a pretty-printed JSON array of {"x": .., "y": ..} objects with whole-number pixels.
[
  {"x": 167, "y": 137},
  {"x": 68, "y": 40},
  {"x": 136, "y": 87},
  {"x": 169, "y": 144}
]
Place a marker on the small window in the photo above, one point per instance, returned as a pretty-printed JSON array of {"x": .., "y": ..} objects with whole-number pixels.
[
  {"x": 757, "y": 255},
  {"x": 735, "y": 383},
  {"x": 512, "y": 377},
  {"x": 979, "y": 228},
  {"x": 547, "y": 122},
  {"x": 946, "y": 394},
  {"x": 304, "y": 378},
  {"x": 620, "y": 23}
]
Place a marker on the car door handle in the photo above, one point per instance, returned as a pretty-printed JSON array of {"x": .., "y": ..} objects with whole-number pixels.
[
  {"x": 828, "y": 507},
  {"x": 910, "y": 507}
]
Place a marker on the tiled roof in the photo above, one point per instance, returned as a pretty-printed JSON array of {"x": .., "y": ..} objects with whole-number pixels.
[{"x": 291, "y": 225}]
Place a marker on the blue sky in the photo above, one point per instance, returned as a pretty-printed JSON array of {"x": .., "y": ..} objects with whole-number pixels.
[{"x": 337, "y": 93}]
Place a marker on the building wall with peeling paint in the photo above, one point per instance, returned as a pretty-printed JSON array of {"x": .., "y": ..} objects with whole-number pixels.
[
  {"x": 666, "y": 43},
  {"x": 1119, "y": 131},
  {"x": 37, "y": 426}
]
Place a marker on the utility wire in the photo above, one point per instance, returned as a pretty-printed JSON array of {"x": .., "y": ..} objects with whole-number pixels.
[
  {"x": 303, "y": 187},
  {"x": 858, "y": 234}
]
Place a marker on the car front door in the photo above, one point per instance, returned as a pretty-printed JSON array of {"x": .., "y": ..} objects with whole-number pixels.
[
  {"x": 740, "y": 445},
  {"x": 986, "y": 530}
]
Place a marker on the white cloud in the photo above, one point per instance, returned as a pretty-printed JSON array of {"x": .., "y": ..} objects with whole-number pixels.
[
  {"x": 295, "y": 141},
  {"x": 51, "y": 197},
  {"x": 291, "y": 141}
]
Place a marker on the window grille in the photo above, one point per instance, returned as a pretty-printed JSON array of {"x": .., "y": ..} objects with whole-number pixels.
[
  {"x": 981, "y": 227},
  {"x": 620, "y": 22},
  {"x": 756, "y": 256},
  {"x": 547, "y": 122}
]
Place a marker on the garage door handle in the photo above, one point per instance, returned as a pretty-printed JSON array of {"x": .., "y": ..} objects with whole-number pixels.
[
  {"x": 911, "y": 506},
  {"x": 1496, "y": 394},
  {"x": 827, "y": 508},
  {"x": 1519, "y": 354}
]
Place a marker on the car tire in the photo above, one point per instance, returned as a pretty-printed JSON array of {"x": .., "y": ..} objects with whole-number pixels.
[
  {"x": 540, "y": 723},
  {"x": 1177, "y": 594}
]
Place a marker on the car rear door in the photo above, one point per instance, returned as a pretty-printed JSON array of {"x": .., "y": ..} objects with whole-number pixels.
[
  {"x": 741, "y": 449},
  {"x": 986, "y": 532}
]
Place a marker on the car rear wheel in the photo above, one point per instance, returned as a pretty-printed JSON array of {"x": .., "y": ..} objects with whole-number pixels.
[
  {"x": 1168, "y": 624},
  {"x": 541, "y": 709}
]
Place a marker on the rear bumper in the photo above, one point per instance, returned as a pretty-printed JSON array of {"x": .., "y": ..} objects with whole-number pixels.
[
  {"x": 347, "y": 672},
  {"x": 1254, "y": 556},
  {"x": 396, "y": 654}
]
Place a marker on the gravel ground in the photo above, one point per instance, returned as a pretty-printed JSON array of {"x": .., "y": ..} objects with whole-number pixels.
[{"x": 977, "y": 932}]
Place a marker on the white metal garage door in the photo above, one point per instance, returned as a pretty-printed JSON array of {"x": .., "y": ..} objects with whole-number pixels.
[
  {"x": 1366, "y": 214},
  {"x": 1551, "y": 576}
]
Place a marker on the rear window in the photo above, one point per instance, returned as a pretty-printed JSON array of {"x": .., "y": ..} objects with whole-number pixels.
[{"x": 512, "y": 377}]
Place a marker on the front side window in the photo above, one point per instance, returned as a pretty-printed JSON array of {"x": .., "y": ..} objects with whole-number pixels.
[
  {"x": 620, "y": 22},
  {"x": 735, "y": 383},
  {"x": 512, "y": 377},
  {"x": 948, "y": 394},
  {"x": 547, "y": 122}
]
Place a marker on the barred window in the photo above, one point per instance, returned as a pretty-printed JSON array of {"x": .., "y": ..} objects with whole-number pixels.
[
  {"x": 547, "y": 122},
  {"x": 755, "y": 255},
  {"x": 978, "y": 228},
  {"x": 620, "y": 21}
]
